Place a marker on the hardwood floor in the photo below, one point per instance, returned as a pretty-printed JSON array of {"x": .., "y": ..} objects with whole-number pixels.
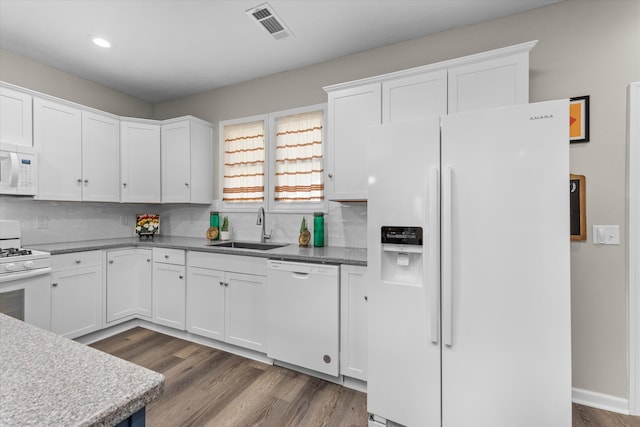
[
  {"x": 208, "y": 387},
  {"x": 584, "y": 416}
]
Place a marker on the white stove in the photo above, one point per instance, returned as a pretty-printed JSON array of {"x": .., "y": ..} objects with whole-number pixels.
[
  {"x": 25, "y": 278},
  {"x": 13, "y": 258}
]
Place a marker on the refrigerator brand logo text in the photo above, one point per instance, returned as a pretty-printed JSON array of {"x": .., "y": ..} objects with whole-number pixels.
[{"x": 544, "y": 116}]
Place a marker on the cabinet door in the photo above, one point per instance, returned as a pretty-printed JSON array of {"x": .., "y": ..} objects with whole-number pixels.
[
  {"x": 205, "y": 302},
  {"x": 353, "y": 321},
  {"x": 176, "y": 155},
  {"x": 351, "y": 112},
  {"x": 128, "y": 283},
  {"x": 246, "y": 311},
  {"x": 143, "y": 281},
  {"x": 140, "y": 162},
  {"x": 76, "y": 301},
  {"x": 201, "y": 163},
  {"x": 16, "y": 118},
  {"x": 414, "y": 97},
  {"x": 57, "y": 138},
  {"x": 168, "y": 295},
  {"x": 100, "y": 158},
  {"x": 489, "y": 83}
]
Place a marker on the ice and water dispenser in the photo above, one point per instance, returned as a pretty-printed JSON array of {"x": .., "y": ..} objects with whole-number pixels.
[{"x": 401, "y": 254}]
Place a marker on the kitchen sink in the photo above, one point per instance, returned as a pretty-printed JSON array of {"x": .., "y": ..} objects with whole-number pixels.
[{"x": 249, "y": 245}]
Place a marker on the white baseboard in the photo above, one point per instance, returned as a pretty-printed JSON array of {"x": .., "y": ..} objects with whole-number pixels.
[{"x": 600, "y": 401}]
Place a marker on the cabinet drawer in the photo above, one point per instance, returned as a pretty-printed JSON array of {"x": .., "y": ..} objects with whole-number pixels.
[
  {"x": 76, "y": 260},
  {"x": 168, "y": 256},
  {"x": 239, "y": 263}
]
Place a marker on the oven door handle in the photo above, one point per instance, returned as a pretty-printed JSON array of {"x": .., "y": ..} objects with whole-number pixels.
[{"x": 24, "y": 274}]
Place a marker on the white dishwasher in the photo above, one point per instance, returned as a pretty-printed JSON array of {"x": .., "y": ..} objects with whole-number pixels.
[{"x": 303, "y": 315}]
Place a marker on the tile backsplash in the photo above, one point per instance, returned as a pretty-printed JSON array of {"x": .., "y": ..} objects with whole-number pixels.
[{"x": 49, "y": 222}]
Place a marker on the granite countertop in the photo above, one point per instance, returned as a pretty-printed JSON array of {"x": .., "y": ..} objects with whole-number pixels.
[
  {"x": 48, "y": 380},
  {"x": 292, "y": 252}
]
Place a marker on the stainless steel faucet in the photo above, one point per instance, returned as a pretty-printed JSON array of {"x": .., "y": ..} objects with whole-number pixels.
[{"x": 261, "y": 221}]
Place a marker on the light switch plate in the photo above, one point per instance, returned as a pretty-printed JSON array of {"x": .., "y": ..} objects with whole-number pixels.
[{"x": 606, "y": 234}]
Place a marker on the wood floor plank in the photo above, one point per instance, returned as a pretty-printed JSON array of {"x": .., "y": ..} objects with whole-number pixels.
[{"x": 209, "y": 387}]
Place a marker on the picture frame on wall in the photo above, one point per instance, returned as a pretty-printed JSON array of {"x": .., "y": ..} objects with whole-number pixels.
[
  {"x": 578, "y": 207},
  {"x": 579, "y": 119}
]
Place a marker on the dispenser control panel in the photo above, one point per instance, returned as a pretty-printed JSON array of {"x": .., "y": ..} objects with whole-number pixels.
[{"x": 401, "y": 235}]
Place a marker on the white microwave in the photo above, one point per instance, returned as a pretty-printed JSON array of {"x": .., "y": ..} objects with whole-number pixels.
[{"x": 17, "y": 170}]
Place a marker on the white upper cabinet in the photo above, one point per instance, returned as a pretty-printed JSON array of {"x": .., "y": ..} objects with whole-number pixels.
[
  {"x": 88, "y": 155},
  {"x": 16, "y": 119},
  {"x": 486, "y": 80},
  {"x": 496, "y": 79},
  {"x": 100, "y": 158},
  {"x": 186, "y": 152},
  {"x": 78, "y": 153},
  {"x": 351, "y": 112},
  {"x": 57, "y": 133},
  {"x": 140, "y": 161},
  {"x": 414, "y": 97}
]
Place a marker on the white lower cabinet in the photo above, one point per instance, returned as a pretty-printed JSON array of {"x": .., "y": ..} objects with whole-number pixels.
[
  {"x": 76, "y": 293},
  {"x": 169, "y": 288},
  {"x": 226, "y": 298},
  {"x": 353, "y": 321},
  {"x": 205, "y": 302},
  {"x": 128, "y": 284}
]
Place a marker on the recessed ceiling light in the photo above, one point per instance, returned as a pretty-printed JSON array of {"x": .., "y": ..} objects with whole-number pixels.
[{"x": 101, "y": 42}]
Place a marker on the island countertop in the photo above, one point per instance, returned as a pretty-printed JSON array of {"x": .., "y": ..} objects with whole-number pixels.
[{"x": 46, "y": 379}]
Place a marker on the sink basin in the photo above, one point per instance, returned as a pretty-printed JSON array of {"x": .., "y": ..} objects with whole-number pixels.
[{"x": 249, "y": 245}]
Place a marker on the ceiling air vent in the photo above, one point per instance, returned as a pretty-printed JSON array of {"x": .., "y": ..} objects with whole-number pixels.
[{"x": 267, "y": 18}]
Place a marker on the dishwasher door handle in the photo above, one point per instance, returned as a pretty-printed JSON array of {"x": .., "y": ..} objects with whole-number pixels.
[{"x": 300, "y": 275}]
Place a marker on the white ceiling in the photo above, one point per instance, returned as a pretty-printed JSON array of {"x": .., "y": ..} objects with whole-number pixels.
[{"x": 167, "y": 49}]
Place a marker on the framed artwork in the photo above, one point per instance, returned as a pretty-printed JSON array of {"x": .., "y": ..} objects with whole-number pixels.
[
  {"x": 579, "y": 119},
  {"x": 147, "y": 224},
  {"x": 578, "y": 207}
]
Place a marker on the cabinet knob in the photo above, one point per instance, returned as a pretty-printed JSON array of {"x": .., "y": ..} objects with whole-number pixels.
[
  {"x": 110, "y": 261},
  {"x": 166, "y": 257},
  {"x": 124, "y": 184},
  {"x": 221, "y": 283},
  {"x": 79, "y": 180},
  {"x": 54, "y": 284},
  {"x": 366, "y": 298},
  {"x": 226, "y": 283},
  {"x": 181, "y": 276},
  {"x": 86, "y": 181},
  {"x": 78, "y": 261},
  {"x": 186, "y": 184},
  {"x": 148, "y": 259},
  {"x": 330, "y": 175}
]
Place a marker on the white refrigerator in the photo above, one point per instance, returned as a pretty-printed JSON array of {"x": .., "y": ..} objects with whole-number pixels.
[{"x": 469, "y": 271}]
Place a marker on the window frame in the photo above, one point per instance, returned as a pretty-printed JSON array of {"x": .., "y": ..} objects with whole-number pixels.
[
  {"x": 241, "y": 206},
  {"x": 269, "y": 204},
  {"x": 295, "y": 207}
]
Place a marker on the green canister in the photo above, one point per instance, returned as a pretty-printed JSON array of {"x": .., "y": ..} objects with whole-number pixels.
[
  {"x": 214, "y": 221},
  {"x": 318, "y": 229}
]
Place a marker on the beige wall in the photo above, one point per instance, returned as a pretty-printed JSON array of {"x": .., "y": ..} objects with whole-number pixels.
[
  {"x": 586, "y": 47},
  {"x": 24, "y": 72}
]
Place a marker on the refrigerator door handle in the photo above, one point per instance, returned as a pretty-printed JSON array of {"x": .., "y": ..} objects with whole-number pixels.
[
  {"x": 434, "y": 250},
  {"x": 447, "y": 266}
]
